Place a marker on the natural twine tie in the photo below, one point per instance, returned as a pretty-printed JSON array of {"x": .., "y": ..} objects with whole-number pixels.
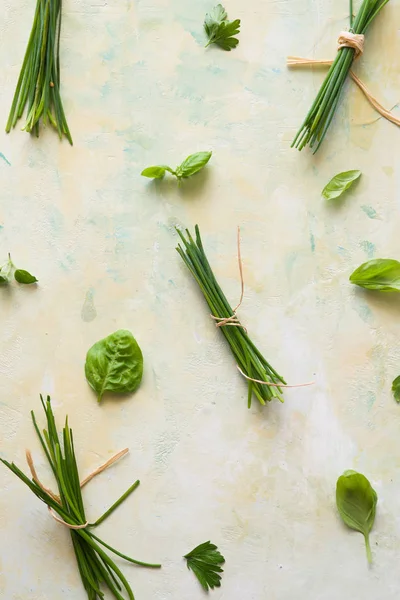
[
  {"x": 100, "y": 469},
  {"x": 355, "y": 41},
  {"x": 233, "y": 321}
]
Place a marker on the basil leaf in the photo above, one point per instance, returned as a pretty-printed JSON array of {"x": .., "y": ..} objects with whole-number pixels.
[
  {"x": 154, "y": 172},
  {"x": 193, "y": 164},
  {"x": 382, "y": 274},
  {"x": 396, "y": 388},
  {"x": 24, "y": 277},
  {"x": 339, "y": 184},
  {"x": 3, "y": 279},
  {"x": 114, "y": 364},
  {"x": 356, "y": 501}
]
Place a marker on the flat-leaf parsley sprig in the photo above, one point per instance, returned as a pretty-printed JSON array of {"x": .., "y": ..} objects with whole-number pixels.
[
  {"x": 219, "y": 30},
  {"x": 205, "y": 561}
]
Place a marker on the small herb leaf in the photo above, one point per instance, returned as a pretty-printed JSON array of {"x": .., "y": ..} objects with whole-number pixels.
[
  {"x": 154, "y": 172},
  {"x": 396, "y": 388},
  {"x": 204, "y": 561},
  {"x": 339, "y": 184},
  {"x": 220, "y": 31},
  {"x": 25, "y": 277},
  {"x": 382, "y": 274},
  {"x": 114, "y": 364},
  {"x": 356, "y": 501},
  {"x": 193, "y": 164}
]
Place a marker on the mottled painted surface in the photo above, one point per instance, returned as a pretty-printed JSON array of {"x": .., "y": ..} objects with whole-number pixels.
[{"x": 138, "y": 89}]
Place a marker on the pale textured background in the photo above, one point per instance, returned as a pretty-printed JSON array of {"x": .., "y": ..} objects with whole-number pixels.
[{"x": 139, "y": 88}]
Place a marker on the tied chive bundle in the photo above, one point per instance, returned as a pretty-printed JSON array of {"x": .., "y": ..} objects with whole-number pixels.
[
  {"x": 249, "y": 359},
  {"x": 95, "y": 566},
  {"x": 38, "y": 85},
  {"x": 319, "y": 118}
]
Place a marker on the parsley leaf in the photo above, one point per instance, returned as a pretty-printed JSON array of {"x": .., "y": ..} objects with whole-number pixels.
[
  {"x": 204, "y": 561},
  {"x": 219, "y": 30}
]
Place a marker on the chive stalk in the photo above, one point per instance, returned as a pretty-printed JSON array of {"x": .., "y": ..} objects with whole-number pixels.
[{"x": 248, "y": 358}]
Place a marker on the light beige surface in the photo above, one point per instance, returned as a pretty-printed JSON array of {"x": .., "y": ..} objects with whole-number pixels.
[{"x": 140, "y": 89}]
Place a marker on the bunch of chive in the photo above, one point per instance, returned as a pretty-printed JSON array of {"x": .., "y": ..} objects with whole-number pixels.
[
  {"x": 95, "y": 566},
  {"x": 319, "y": 118},
  {"x": 38, "y": 85},
  {"x": 248, "y": 358}
]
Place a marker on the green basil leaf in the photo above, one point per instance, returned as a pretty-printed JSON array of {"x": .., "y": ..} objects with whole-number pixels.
[
  {"x": 396, "y": 388},
  {"x": 382, "y": 274},
  {"x": 192, "y": 164},
  {"x": 356, "y": 501},
  {"x": 154, "y": 172},
  {"x": 114, "y": 364},
  {"x": 339, "y": 184},
  {"x": 24, "y": 277},
  {"x": 3, "y": 279}
]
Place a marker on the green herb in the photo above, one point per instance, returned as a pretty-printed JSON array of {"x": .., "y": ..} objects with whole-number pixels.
[
  {"x": 114, "y": 364},
  {"x": 24, "y": 277},
  {"x": 219, "y": 30},
  {"x": 339, "y": 184},
  {"x": 382, "y": 274},
  {"x": 20, "y": 275},
  {"x": 95, "y": 565},
  {"x": 191, "y": 165},
  {"x": 38, "y": 85},
  {"x": 249, "y": 359},
  {"x": 356, "y": 501},
  {"x": 396, "y": 388},
  {"x": 204, "y": 561},
  {"x": 318, "y": 119}
]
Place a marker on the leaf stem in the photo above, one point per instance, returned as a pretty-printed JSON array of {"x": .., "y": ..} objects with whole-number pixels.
[{"x": 368, "y": 548}]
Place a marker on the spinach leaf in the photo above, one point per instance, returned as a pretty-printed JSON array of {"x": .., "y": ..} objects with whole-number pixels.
[
  {"x": 396, "y": 388},
  {"x": 356, "y": 501},
  {"x": 382, "y": 274},
  {"x": 339, "y": 184},
  {"x": 114, "y": 364},
  {"x": 24, "y": 277}
]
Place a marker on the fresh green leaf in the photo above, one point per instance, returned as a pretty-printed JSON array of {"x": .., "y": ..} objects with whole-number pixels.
[
  {"x": 193, "y": 164},
  {"x": 339, "y": 184},
  {"x": 204, "y": 561},
  {"x": 382, "y": 274},
  {"x": 24, "y": 277},
  {"x": 356, "y": 501},
  {"x": 114, "y": 364},
  {"x": 219, "y": 30},
  {"x": 157, "y": 172},
  {"x": 396, "y": 388},
  {"x": 6, "y": 271}
]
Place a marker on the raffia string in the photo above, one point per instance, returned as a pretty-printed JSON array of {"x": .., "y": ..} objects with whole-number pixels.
[
  {"x": 100, "y": 469},
  {"x": 355, "y": 41},
  {"x": 234, "y": 321}
]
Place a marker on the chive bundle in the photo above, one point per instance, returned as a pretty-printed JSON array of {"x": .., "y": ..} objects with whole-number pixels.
[
  {"x": 249, "y": 359},
  {"x": 319, "y": 118},
  {"x": 95, "y": 566},
  {"x": 38, "y": 85}
]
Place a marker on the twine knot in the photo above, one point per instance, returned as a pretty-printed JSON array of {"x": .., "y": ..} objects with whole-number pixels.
[{"x": 347, "y": 39}]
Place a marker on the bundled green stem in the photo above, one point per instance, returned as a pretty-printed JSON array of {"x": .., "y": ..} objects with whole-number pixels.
[
  {"x": 319, "y": 118},
  {"x": 95, "y": 566},
  {"x": 249, "y": 359},
  {"x": 38, "y": 85}
]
